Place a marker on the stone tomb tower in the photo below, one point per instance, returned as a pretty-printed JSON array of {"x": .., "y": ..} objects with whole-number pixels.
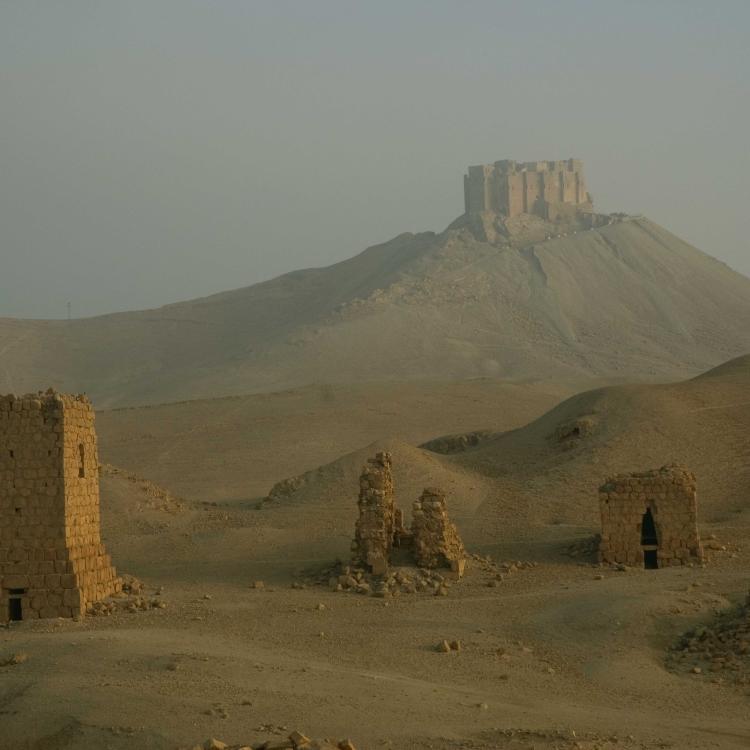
[
  {"x": 649, "y": 518},
  {"x": 52, "y": 560}
]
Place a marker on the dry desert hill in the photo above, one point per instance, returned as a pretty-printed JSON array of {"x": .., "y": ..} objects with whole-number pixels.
[{"x": 627, "y": 300}]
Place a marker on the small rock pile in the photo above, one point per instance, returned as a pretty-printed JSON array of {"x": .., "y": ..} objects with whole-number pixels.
[
  {"x": 397, "y": 581},
  {"x": 498, "y": 572},
  {"x": 722, "y": 649},
  {"x": 130, "y": 600},
  {"x": 14, "y": 660},
  {"x": 445, "y": 647},
  {"x": 435, "y": 538},
  {"x": 585, "y": 548},
  {"x": 295, "y": 741},
  {"x": 713, "y": 544}
]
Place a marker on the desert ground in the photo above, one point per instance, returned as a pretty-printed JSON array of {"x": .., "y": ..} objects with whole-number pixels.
[{"x": 556, "y": 651}]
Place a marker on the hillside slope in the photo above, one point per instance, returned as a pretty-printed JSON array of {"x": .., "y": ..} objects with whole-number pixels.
[
  {"x": 540, "y": 481},
  {"x": 629, "y": 300}
]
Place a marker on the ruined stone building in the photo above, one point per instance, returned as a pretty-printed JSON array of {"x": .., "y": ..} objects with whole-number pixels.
[
  {"x": 374, "y": 533},
  {"x": 435, "y": 538},
  {"x": 379, "y": 529},
  {"x": 52, "y": 560},
  {"x": 649, "y": 518},
  {"x": 552, "y": 190}
]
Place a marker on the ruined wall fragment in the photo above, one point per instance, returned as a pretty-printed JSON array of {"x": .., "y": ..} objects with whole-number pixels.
[
  {"x": 377, "y": 522},
  {"x": 435, "y": 538},
  {"x": 669, "y": 494}
]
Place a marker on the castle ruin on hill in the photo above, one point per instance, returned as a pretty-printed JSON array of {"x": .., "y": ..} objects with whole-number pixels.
[
  {"x": 649, "y": 518},
  {"x": 52, "y": 560},
  {"x": 551, "y": 190}
]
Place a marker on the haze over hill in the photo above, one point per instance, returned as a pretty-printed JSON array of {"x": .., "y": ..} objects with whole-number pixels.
[{"x": 628, "y": 300}]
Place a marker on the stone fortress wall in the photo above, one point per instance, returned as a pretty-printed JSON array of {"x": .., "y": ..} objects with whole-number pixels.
[
  {"x": 552, "y": 190},
  {"x": 52, "y": 560},
  {"x": 650, "y": 518}
]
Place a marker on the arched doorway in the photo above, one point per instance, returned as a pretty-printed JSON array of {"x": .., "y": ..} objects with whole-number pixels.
[{"x": 649, "y": 541}]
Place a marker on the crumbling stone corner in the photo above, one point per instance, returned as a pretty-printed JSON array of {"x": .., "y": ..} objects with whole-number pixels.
[
  {"x": 376, "y": 525},
  {"x": 435, "y": 538}
]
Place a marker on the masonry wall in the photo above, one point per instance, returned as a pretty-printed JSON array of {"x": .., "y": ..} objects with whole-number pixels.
[
  {"x": 376, "y": 526},
  {"x": 671, "y": 495},
  {"x": 549, "y": 189},
  {"x": 435, "y": 538},
  {"x": 51, "y": 553}
]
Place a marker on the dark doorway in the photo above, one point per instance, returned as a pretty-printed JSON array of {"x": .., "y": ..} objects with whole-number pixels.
[
  {"x": 14, "y": 609},
  {"x": 650, "y": 559},
  {"x": 648, "y": 530},
  {"x": 649, "y": 541}
]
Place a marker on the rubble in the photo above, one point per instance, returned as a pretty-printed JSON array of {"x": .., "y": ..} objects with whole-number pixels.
[
  {"x": 720, "y": 650},
  {"x": 585, "y": 548},
  {"x": 295, "y": 741},
  {"x": 397, "y": 581},
  {"x": 14, "y": 660}
]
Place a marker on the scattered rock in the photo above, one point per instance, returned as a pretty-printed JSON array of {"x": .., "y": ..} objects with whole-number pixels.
[
  {"x": 722, "y": 646},
  {"x": 15, "y": 659}
]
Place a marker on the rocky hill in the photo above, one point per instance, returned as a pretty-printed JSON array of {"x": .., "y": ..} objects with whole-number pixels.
[{"x": 625, "y": 300}]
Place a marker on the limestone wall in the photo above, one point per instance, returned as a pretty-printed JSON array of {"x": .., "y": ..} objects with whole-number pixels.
[
  {"x": 670, "y": 493},
  {"x": 376, "y": 525},
  {"x": 435, "y": 539},
  {"x": 51, "y": 554}
]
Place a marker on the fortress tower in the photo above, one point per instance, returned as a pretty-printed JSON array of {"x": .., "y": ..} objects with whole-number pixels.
[
  {"x": 52, "y": 560},
  {"x": 553, "y": 190}
]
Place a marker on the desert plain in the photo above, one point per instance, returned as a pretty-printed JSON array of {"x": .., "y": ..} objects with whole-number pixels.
[{"x": 555, "y": 651}]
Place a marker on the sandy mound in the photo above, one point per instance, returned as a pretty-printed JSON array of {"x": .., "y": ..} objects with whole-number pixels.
[{"x": 547, "y": 473}]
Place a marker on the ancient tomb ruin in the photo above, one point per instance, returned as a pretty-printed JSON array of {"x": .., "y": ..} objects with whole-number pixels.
[
  {"x": 434, "y": 537},
  {"x": 52, "y": 560},
  {"x": 375, "y": 530},
  {"x": 379, "y": 529},
  {"x": 649, "y": 518}
]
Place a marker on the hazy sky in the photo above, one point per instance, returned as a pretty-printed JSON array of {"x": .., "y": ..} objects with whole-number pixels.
[{"x": 160, "y": 150}]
